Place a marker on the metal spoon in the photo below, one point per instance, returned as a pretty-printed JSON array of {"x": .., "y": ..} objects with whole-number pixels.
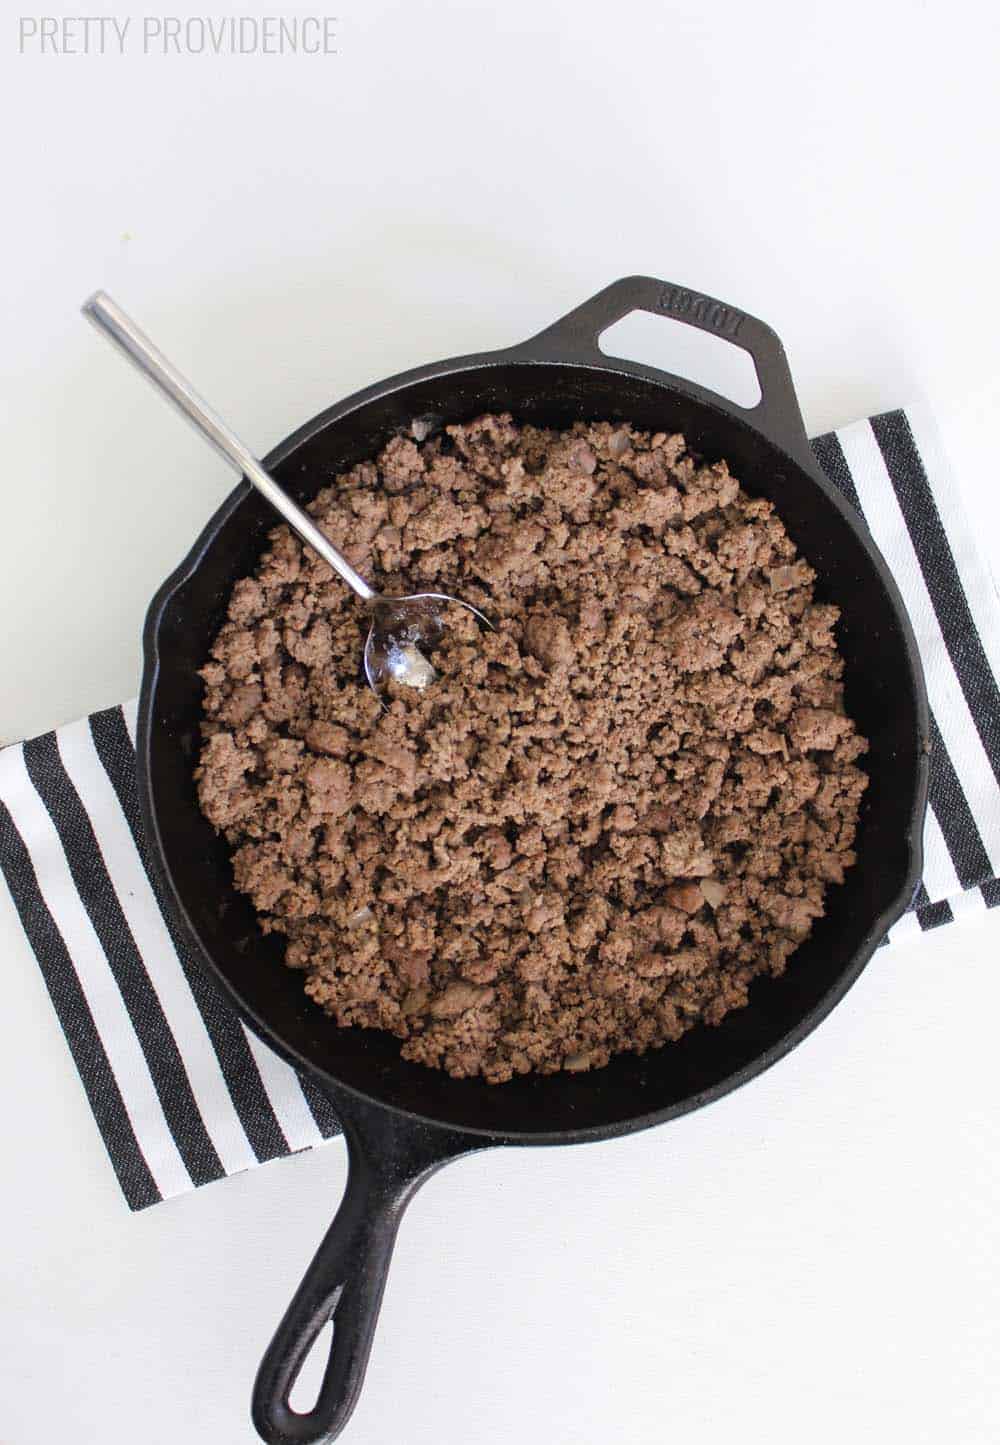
[{"x": 400, "y": 626}]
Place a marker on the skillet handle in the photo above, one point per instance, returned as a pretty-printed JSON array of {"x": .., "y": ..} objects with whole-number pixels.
[
  {"x": 575, "y": 337},
  {"x": 388, "y": 1159}
]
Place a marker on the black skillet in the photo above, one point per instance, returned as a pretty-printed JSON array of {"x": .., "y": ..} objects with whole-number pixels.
[{"x": 401, "y": 1121}]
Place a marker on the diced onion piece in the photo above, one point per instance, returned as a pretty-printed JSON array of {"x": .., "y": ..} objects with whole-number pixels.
[{"x": 714, "y": 891}]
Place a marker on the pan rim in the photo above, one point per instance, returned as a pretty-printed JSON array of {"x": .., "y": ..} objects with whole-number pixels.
[{"x": 485, "y": 1136}]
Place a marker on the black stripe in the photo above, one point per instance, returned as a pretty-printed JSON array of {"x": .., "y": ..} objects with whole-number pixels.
[
  {"x": 951, "y": 808},
  {"x": 73, "y": 1013},
  {"x": 97, "y": 894},
  {"x": 320, "y": 1107},
  {"x": 935, "y": 914},
  {"x": 830, "y": 455},
  {"x": 250, "y": 1100},
  {"x": 916, "y": 501},
  {"x": 930, "y": 915},
  {"x": 991, "y": 893}
]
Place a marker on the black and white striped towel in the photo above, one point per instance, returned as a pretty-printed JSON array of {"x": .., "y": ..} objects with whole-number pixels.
[{"x": 183, "y": 1093}]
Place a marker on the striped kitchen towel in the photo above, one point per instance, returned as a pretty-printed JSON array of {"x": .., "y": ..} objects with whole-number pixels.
[{"x": 184, "y": 1093}]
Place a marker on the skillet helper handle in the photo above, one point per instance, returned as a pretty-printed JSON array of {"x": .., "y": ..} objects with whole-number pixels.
[
  {"x": 388, "y": 1160},
  {"x": 575, "y": 337}
]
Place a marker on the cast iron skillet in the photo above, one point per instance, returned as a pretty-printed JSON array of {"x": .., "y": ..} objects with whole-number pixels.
[{"x": 402, "y": 1121}]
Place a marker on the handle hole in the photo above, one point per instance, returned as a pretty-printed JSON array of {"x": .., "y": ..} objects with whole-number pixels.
[
  {"x": 305, "y": 1391},
  {"x": 695, "y": 355}
]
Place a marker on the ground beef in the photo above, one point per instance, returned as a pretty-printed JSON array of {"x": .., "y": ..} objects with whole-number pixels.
[{"x": 605, "y": 818}]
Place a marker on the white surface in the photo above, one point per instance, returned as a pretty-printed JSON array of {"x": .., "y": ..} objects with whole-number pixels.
[{"x": 815, "y": 1257}]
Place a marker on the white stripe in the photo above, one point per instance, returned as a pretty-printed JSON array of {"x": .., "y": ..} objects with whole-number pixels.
[
  {"x": 888, "y": 527},
  {"x": 100, "y": 988},
  {"x": 145, "y": 921},
  {"x": 130, "y": 712},
  {"x": 907, "y": 926},
  {"x": 977, "y": 580},
  {"x": 969, "y": 902},
  {"x": 285, "y": 1093},
  {"x": 940, "y": 878}
]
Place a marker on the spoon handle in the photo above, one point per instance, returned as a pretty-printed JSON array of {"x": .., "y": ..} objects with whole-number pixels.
[{"x": 119, "y": 328}]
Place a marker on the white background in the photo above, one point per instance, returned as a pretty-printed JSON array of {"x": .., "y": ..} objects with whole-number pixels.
[{"x": 816, "y": 1257}]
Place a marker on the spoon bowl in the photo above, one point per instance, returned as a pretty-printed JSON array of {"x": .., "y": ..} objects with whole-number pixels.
[{"x": 402, "y": 631}]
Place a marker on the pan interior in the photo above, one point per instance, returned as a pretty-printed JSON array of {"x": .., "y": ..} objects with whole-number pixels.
[{"x": 880, "y": 696}]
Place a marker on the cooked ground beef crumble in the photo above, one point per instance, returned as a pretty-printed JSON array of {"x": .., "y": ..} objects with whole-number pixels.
[{"x": 605, "y": 818}]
